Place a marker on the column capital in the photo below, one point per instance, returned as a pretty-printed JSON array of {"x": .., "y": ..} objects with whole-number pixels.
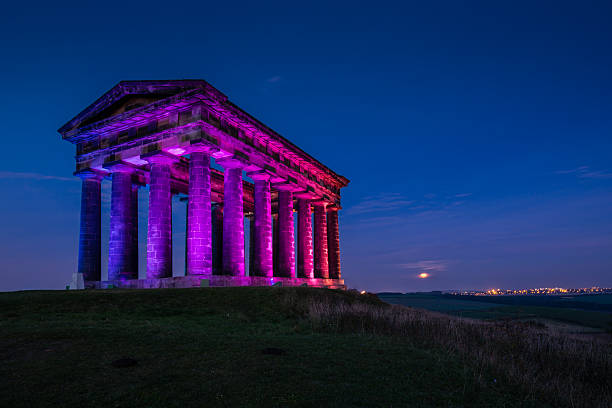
[
  {"x": 202, "y": 145},
  {"x": 233, "y": 162},
  {"x": 290, "y": 184},
  {"x": 159, "y": 157},
  {"x": 89, "y": 174},
  {"x": 307, "y": 193},
  {"x": 119, "y": 166},
  {"x": 319, "y": 203},
  {"x": 259, "y": 175}
]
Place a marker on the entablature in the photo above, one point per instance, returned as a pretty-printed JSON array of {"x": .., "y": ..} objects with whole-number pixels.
[{"x": 173, "y": 122}]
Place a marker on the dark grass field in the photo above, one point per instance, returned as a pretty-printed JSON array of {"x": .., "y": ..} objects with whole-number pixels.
[
  {"x": 225, "y": 347},
  {"x": 589, "y": 311}
]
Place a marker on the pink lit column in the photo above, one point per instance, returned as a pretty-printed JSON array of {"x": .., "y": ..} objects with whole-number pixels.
[
  {"x": 199, "y": 234},
  {"x": 262, "y": 251},
  {"x": 333, "y": 242},
  {"x": 286, "y": 242},
  {"x": 233, "y": 218},
  {"x": 89, "y": 235},
  {"x": 321, "y": 263},
  {"x": 305, "y": 261},
  {"x": 275, "y": 244},
  {"x": 159, "y": 234},
  {"x": 121, "y": 234}
]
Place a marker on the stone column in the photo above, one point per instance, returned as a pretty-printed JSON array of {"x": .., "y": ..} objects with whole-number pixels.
[
  {"x": 305, "y": 261},
  {"x": 186, "y": 200},
  {"x": 217, "y": 239},
  {"x": 233, "y": 218},
  {"x": 321, "y": 265},
  {"x": 275, "y": 244},
  {"x": 262, "y": 252},
  {"x": 333, "y": 242},
  {"x": 159, "y": 234},
  {"x": 89, "y": 234},
  {"x": 135, "y": 188},
  {"x": 251, "y": 219},
  {"x": 121, "y": 239},
  {"x": 199, "y": 234},
  {"x": 286, "y": 241}
]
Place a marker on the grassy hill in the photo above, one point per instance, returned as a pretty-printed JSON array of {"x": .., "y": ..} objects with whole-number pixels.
[{"x": 268, "y": 347}]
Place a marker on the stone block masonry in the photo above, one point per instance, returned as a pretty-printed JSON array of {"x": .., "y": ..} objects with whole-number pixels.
[
  {"x": 217, "y": 239},
  {"x": 333, "y": 244},
  {"x": 159, "y": 234},
  {"x": 121, "y": 240},
  {"x": 199, "y": 230},
  {"x": 262, "y": 251},
  {"x": 233, "y": 222},
  {"x": 286, "y": 244},
  {"x": 89, "y": 235},
  {"x": 134, "y": 248}
]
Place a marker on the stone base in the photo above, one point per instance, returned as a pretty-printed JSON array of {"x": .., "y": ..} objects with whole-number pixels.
[{"x": 215, "y": 281}]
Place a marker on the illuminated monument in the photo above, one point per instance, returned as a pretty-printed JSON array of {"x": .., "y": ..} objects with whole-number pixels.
[{"x": 164, "y": 134}]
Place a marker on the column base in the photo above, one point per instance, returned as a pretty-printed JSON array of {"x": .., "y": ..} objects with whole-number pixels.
[{"x": 214, "y": 281}]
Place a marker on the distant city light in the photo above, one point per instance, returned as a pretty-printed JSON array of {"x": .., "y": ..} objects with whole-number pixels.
[
  {"x": 423, "y": 275},
  {"x": 532, "y": 291}
]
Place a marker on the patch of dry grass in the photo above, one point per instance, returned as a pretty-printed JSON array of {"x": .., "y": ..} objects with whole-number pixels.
[{"x": 567, "y": 371}]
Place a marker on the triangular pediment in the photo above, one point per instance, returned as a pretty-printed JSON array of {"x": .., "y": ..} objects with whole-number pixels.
[{"x": 127, "y": 95}]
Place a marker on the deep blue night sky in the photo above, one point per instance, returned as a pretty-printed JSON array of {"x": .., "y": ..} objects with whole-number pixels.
[{"x": 476, "y": 135}]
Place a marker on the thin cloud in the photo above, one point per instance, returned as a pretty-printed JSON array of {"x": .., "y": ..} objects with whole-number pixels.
[
  {"x": 383, "y": 202},
  {"x": 375, "y": 222},
  {"x": 587, "y": 172},
  {"x": 391, "y": 204},
  {"x": 11, "y": 175},
  {"x": 427, "y": 265},
  {"x": 273, "y": 79}
]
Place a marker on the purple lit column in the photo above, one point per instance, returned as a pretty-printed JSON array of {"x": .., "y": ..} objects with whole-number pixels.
[
  {"x": 217, "y": 238},
  {"x": 135, "y": 188},
  {"x": 199, "y": 234},
  {"x": 321, "y": 263},
  {"x": 275, "y": 244},
  {"x": 305, "y": 261},
  {"x": 121, "y": 236},
  {"x": 251, "y": 219},
  {"x": 286, "y": 241},
  {"x": 233, "y": 218},
  {"x": 333, "y": 242},
  {"x": 89, "y": 234},
  {"x": 262, "y": 252},
  {"x": 159, "y": 234}
]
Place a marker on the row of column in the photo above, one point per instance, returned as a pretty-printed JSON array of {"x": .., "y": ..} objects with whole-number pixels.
[{"x": 321, "y": 260}]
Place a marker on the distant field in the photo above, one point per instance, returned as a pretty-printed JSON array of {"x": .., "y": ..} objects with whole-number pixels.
[
  {"x": 601, "y": 299},
  {"x": 587, "y": 310},
  {"x": 437, "y": 303}
]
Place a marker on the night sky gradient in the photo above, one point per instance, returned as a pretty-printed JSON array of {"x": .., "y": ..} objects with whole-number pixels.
[{"x": 476, "y": 135}]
